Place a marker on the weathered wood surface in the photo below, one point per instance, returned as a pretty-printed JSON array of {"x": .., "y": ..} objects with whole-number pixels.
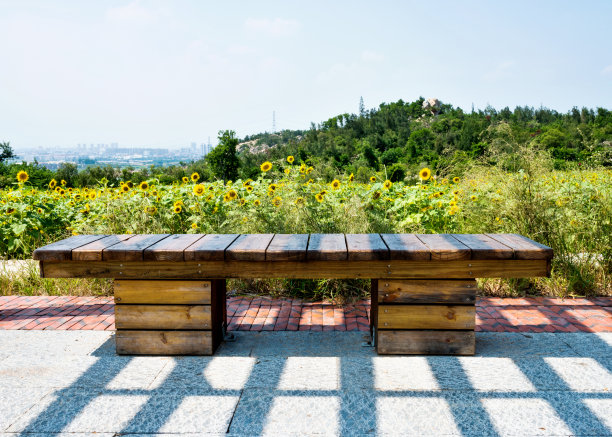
[
  {"x": 302, "y": 247},
  {"x": 426, "y": 317},
  {"x": 171, "y": 248},
  {"x": 427, "y": 291},
  {"x": 287, "y": 247},
  {"x": 210, "y": 248},
  {"x": 523, "y": 247},
  {"x": 249, "y": 247},
  {"x": 62, "y": 250},
  {"x": 406, "y": 246},
  {"x": 162, "y": 292},
  {"x": 327, "y": 247},
  {"x": 93, "y": 250},
  {"x": 163, "y": 317},
  {"x": 445, "y": 247},
  {"x": 484, "y": 247},
  {"x": 366, "y": 247},
  {"x": 131, "y": 249},
  {"x": 426, "y": 342},
  {"x": 164, "y": 342},
  {"x": 299, "y": 270}
]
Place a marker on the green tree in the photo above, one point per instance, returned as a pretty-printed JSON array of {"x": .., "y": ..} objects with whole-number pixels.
[
  {"x": 222, "y": 159},
  {"x": 6, "y": 152}
]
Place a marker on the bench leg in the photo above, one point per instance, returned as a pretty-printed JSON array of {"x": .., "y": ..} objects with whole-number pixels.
[
  {"x": 169, "y": 317},
  {"x": 424, "y": 317}
]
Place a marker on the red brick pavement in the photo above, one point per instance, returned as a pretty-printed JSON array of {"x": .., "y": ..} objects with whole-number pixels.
[{"x": 539, "y": 314}]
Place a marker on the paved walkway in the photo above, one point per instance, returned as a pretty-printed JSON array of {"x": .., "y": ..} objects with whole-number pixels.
[
  {"x": 266, "y": 314},
  {"x": 305, "y": 383}
]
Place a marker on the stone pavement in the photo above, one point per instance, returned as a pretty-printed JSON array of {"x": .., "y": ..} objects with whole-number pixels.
[
  {"x": 306, "y": 383},
  {"x": 266, "y": 314}
]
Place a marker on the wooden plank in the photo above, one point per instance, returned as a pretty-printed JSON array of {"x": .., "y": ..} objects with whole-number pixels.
[
  {"x": 62, "y": 250},
  {"x": 162, "y": 292},
  {"x": 366, "y": 247},
  {"x": 287, "y": 247},
  {"x": 163, "y": 317},
  {"x": 524, "y": 248},
  {"x": 164, "y": 342},
  {"x": 300, "y": 270},
  {"x": 131, "y": 249},
  {"x": 461, "y": 291},
  {"x": 327, "y": 247},
  {"x": 406, "y": 246},
  {"x": 171, "y": 248},
  {"x": 444, "y": 247},
  {"x": 484, "y": 247},
  {"x": 93, "y": 251},
  {"x": 426, "y": 317},
  {"x": 249, "y": 247},
  {"x": 210, "y": 248},
  {"x": 426, "y": 342}
]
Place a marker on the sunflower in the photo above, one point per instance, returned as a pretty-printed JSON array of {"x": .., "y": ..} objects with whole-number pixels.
[
  {"x": 272, "y": 187},
  {"x": 249, "y": 188},
  {"x": 52, "y": 183},
  {"x": 185, "y": 179},
  {"x": 456, "y": 179},
  {"x": 194, "y": 225},
  {"x": 473, "y": 197},
  {"x": 92, "y": 195},
  {"x": 309, "y": 169},
  {"x": 277, "y": 201},
  {"x": 453, "y": 210},
  {"x": 287, "y": 171},
  {"x": 125, "y": 188},
  {"x": 129, "y": 184},
  {"x": 232, "y": 194},
  {"x": 424, "y": 174},
  {"x": 63, "y": 182},
  {"x": 22, "y": 176},
  {"x": 144, "y": 186},
  {"x": 376, "y": 195},
  {"x": 387, "y": 184},
  {"x": 299, "y": 201},
  {"x": 226, "y": 198},
  {"x": 39, "y": 210},
  {"x": 335, "y": 184},
  {"x": 178, "y": 203},
  {"x": 302, "y": 168},
  {"x": 266, "y": 166},
  {"x": 319, "y": 197},
  {"x": 177, "y": 209},
  {"x": 247, "y": 183},
  {"x": 373, "y": 179},
  {"x": 10, "y": 211},
  {"x": 257, "y": 202},
  {"x": 198, "y": 190},
  {"x": 290, "y": 159},
  {"x": 242, "y": 202},
  {"x": 195, "y": 176},
  {"x": 150, "y": 209},
  {"x": 351, "y": 177}
]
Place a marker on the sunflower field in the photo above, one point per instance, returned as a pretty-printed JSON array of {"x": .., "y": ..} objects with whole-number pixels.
[{"x": 570, "y": 211}]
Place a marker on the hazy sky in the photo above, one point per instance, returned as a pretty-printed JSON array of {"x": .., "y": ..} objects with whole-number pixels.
[{"x": 167, "y": 73}]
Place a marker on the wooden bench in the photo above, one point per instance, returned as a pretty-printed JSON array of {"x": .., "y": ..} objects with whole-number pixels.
[{"x": 170, "y": 289}]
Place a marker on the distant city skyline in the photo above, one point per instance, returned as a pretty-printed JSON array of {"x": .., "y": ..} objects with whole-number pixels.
[{"x": 165, "y": 74}]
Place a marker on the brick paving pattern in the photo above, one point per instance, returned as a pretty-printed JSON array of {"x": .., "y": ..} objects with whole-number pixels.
[{"x": 539, "y": 314}]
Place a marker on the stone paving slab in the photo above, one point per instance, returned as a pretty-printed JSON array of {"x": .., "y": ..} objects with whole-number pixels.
[
  {"x": 266, "y": 314},
  {"x": 306, "y": 383}
]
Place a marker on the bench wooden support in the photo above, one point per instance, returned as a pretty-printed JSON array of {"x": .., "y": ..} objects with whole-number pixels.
[
  {"x": 169, "y": 317},
  {"x": 435, "y": 316}
]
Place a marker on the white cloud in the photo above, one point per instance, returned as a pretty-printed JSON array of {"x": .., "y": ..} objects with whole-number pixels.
[
  {"x": 371, "y": 56},
  {"x": 132, "y": 12},
  {"x": 607, "y": 70},
  {"x": 277, "y": 27}
]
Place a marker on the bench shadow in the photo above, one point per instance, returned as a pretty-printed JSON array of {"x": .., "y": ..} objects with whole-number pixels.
[{"x": 327, "y": 379}]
